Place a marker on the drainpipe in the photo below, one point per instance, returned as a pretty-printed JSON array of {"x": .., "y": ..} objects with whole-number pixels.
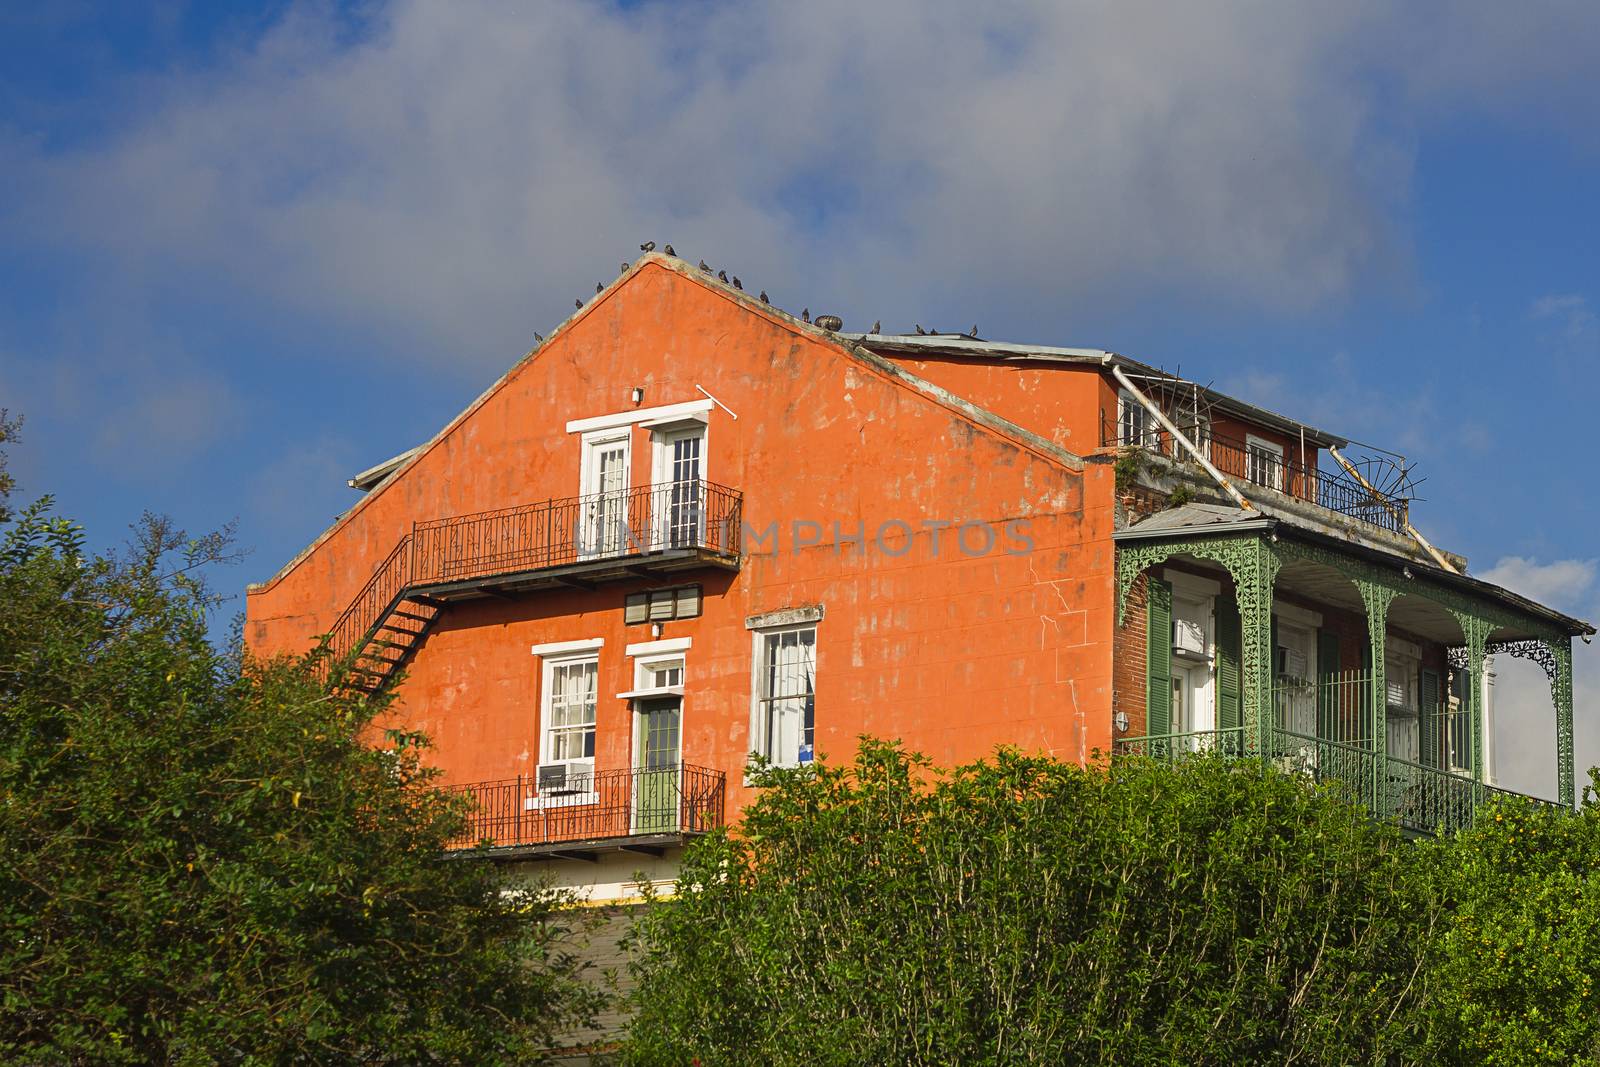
[
  {"x": 1405, "y": 522},
  {"x": 1177, "y": 434}
]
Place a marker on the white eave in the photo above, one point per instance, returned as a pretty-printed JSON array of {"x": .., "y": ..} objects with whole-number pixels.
[{"x": 369, "y": 478}]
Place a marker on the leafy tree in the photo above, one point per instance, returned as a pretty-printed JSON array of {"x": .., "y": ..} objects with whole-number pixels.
[
  {"x": 8, "y": 432},
  {"x": 1514, "y": 977},
  {"x": 1022, "y": 910},
  {"x": 204, "y": 860}
]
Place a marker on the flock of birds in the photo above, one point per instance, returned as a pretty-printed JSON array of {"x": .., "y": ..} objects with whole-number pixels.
[{"x": 831, "y": 323}]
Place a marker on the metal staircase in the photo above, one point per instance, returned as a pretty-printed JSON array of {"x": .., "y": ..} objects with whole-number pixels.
[
  {"x": 576, "y": 542},
  {"x": 385, "y": 623}
]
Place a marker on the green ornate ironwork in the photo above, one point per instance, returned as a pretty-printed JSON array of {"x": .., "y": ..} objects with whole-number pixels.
[
  {"x": 1254, "y": 563},
  {"x": 1254, "y": 568}
]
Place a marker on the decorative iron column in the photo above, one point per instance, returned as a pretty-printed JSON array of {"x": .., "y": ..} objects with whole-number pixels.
[
  {"x": 1561, "y": 696},
  {"x": 1377, "y": 597},
  {"x": 1477, "y": 632},
  {"x": 1254, "y": 578}
]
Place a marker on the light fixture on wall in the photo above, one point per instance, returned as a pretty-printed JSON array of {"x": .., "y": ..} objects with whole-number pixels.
[
  {"x": 638, "y": 394},
  {"x": 655, "y": 629},
  {"x": 1120, "y": 721}
]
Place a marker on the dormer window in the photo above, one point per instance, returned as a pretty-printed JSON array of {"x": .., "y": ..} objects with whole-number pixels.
[
  {"x": 1133, "y": 421},
  {"x": 1265, "y": 462}
]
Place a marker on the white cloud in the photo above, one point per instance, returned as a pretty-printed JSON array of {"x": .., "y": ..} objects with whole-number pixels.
[
  {"x": 461, "y": 172},
  {"x": 1567, "y": 584},
  {"x": 1574, "y": 320}
]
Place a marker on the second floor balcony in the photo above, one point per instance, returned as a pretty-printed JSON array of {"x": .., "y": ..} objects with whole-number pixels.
[{"x": 647, "y": 531}]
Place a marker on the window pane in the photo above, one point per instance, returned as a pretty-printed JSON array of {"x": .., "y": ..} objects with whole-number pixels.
[
  {"x": 787, "y": 700},
  {"x": 569, "y": 711}
]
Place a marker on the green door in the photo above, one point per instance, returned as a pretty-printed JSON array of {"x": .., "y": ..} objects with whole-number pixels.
[{"x": 655, "y": 773}]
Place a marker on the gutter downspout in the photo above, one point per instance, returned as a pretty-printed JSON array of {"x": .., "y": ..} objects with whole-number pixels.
[
  {"x": 1177, "y": 435},
  {"x": 1404, "y": 521}
]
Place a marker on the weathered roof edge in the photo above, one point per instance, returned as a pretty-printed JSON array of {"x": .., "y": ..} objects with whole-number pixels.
[
  {"x": 959, "y": 345},
  {"x": 370, "y": 477}
]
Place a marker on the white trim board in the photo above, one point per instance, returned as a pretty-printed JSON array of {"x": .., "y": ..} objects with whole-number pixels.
[
  {"x": 651, "y": 648},
  {"x": 563, "y": 648},
  {"x": 666, "y": 412}
]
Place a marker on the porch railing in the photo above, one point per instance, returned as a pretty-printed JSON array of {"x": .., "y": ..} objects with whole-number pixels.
[
  {"x": 1170, "y": 747},
  {"x": 595, "y": 807},
  {"x": 1333, "y": 489},
  {"x": 1325, "y": 731}
]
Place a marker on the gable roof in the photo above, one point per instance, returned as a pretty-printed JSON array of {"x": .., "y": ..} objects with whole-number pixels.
[{"x": 378, "y": 478}]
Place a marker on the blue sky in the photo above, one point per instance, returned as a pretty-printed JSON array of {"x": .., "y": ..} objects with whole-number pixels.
[{"x": 250, "y": 249}]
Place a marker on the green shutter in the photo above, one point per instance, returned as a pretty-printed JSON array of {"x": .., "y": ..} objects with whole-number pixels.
[
  {"x": 1428, "y": 721},
  {"x": 1229, "y": 646},
  {"x": 1465, "y": 716},
  {"x": 1328, "y": 689},
  {"x": 1158, "y": 657}
]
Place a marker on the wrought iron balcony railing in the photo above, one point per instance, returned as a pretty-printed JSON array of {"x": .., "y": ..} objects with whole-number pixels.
[
  {"x": 1334, "y": 490},
  {"x": 666, "y": 520},
  {"x": 1324, "y": 731},
  {"x": 593, "y": 808}
]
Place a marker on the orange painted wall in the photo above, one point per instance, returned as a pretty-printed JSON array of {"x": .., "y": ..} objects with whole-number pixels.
[
  {"x": 955, "y": 653},
  {"x": 1061, "y": 402}
]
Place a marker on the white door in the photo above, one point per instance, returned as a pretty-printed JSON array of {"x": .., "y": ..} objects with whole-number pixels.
[
  {"x": 604, "y": 504},
  {"x": 1294, "y": 680},
  {"x": 1193, "y": 711},
  {"x": 678, "y": 497}
]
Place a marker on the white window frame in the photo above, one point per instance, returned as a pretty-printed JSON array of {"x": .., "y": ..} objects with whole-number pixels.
[
  {"x": 759, "y": 735},
  {"x": 592, "y": 540},
  {"x": 642, "y": 667},
  {"x": 1252, "y": 444},
  {"x": 551, "y": 658},
  {"x": 1128, "y": 405},
  {"x": 662, "y": 437}
]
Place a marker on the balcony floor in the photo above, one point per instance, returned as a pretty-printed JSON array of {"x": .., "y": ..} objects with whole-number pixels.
[{"x": 585, "y": 574}]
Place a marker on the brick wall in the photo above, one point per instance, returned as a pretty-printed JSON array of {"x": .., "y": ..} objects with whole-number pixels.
[{"x": 1128, "y": 663}]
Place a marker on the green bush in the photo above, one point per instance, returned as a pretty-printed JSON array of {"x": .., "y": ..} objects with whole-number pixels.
[
  {"x": 205, "y": 860},
  {"x": 1022, "y": 910},
  {"x": 1514, "y": 976}
]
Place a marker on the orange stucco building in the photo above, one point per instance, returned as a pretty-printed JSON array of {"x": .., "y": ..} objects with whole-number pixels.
[{"x": 690, "y": 526}]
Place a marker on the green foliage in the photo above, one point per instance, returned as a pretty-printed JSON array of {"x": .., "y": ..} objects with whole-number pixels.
[
  {"x": 1515, "y": 976},
  {"x": 9, "y": 428},
  {"x": 1129, "y": 465},
  {"x": 1023, "y": 910},
  {"x": 206, "y": 861},
  {"x": 1180, "y": 496}
]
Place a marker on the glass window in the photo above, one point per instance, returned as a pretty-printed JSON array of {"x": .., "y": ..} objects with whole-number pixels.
[
  {"x": 570, "y": 697},
  {"x": 1265, "y": 461},
  {"x": 785, "y": 723},
  {"x": 1133, "y": 421}
]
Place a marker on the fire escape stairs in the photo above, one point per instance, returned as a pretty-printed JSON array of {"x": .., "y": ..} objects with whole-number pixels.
[{"x": 389, "y": 645}]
